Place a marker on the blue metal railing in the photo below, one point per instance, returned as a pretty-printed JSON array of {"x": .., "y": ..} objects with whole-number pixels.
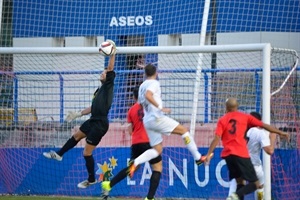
[{"x": 205, "y": 73}]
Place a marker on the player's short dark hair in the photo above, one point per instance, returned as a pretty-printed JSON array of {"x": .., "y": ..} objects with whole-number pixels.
[
  {"x": 136, "y": 91},
  {"x": 256, "y": 115},
  {"x": 150, "y": 70}
]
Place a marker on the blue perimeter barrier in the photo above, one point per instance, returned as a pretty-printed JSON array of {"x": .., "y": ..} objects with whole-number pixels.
[{"x": 41, "y": 176}]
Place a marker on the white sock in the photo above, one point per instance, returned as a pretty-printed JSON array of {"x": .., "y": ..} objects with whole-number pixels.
[
  {"x": 146, "y": 156},
  {"x": 232, "y": 187},
  {"x": 191, "y": 145}
]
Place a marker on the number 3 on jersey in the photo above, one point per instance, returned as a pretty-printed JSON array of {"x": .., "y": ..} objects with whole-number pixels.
[{"x": 232, "y": 130}]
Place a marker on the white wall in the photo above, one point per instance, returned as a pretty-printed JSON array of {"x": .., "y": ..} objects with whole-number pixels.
[
  {"x": 277, "y": 39},
  {"x": 33, "y": 42}
]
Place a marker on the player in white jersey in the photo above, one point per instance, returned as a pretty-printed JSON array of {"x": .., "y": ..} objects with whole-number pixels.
[
  {"x": 157, "y": 123},
  {"x": 257, "y": 139}
]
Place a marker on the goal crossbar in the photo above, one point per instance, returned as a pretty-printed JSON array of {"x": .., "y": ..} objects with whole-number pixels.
[{"x": 140, "y": 50}]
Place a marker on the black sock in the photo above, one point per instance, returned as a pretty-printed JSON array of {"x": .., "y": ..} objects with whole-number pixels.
[
  {"x": 239, "y": 186},
  {"x": 154, "y": 182},
  {"x": 90, "y": 166},
  {"x": 68, "y": 145},
  {"x": 247, "y": 189},
  {"x": 120, "y": 176}
]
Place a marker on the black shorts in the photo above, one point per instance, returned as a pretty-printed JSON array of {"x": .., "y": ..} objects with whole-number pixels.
[
  {"x": 138, "y": 149},
  {"x": 94, "y": 130},
  {"x": 239, "y": 167}
]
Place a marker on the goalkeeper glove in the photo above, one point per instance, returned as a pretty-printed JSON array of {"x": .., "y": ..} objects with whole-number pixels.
[
  {"x": 73, "y": 115},
  {"x": 114, "y": 45}
]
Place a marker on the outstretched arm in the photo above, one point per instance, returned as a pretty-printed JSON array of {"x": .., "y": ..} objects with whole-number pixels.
[
  {"x": 73, "y": 115},
  {"x": 275, "y": 130},
  {"x": 86, "y": 111},
  {"x": 212, "y": 147},
  {"x": 111, "y": 63}
]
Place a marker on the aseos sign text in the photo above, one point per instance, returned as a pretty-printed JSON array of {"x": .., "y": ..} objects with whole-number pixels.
[{"x": 131, "y": 21}]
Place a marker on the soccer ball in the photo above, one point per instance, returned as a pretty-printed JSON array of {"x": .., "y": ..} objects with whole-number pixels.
[{"x": 106, "y": 48}]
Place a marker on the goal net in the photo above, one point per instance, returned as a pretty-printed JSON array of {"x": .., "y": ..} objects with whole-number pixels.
[{"x": 38, "y": 90}]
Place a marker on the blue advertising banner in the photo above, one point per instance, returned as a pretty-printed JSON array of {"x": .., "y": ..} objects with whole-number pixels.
[
  {"x": 37, "y": 175},
  {"x": 61, "y": 18},
  {"x": 34, "y": 174},
  {"x": 49, "y": 18}
]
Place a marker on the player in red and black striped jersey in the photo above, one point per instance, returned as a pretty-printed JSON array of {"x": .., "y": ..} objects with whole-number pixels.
[
  {"x": 140, "y": 144},
  {"x": 95, "y": 127},
  {"x": 231, "y": 129}
]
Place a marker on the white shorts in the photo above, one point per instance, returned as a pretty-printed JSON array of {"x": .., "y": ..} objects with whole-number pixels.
[
  {"x": 260, "y": 174},
  {"x": 155, "y": 127}
]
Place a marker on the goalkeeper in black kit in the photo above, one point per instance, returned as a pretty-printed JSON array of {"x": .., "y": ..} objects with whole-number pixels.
[{"x": 96, "y": 126}]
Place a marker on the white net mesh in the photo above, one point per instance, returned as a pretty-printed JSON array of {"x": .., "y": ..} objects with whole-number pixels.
[{"x": 33, "y": 113}]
